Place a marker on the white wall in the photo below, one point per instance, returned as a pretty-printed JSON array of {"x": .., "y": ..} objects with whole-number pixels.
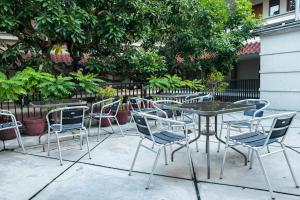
[{"x": 280, "y": 69}]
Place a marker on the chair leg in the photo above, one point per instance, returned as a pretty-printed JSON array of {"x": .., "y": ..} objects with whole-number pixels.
[
  {"x": 265, "y": 174},
  {"x": 59, "y": 150},
  {"x": 189, "y": 158},
  {"x": 80, "y": 140},
  {"x": 119, "y": 126},
  {"x": 195, "y": 134},
  {"x": 19, "y": 138},
  {"x": 165, "y": 152},
  {"x": 251, "y": 158},
  {"x": 49, "y": 139},
  {"x": 99, "y": 127},
  {"x": 90, "y": 125},
  {"x": 290, "y": 166},
  {"x": 223, "y": 162},
  {"x": 153, "y": 168},
  {"x": 87, "y": 142},
  {"x": 220, "y": 135},
  {"x": 135, "y": 156},
  {"x": 110, "y": 125}
]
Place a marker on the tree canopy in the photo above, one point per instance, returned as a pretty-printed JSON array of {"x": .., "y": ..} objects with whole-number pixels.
[{"x": 107, "y": 30}]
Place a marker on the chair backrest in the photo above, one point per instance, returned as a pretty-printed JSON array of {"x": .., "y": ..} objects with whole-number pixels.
[
  {"x": 134, "y": 103},
  {"x": 141, "y": 124},
  {"x": 67, "y": 116},
  {"x": 280, "y": 125},
  {"x": 260, "y": 106},
  {"x": 11, "y": 120},
  {"x": 198, "y": 97},
  {"x": 165, "y": 113},
  {"x": 72, "y": 116}
]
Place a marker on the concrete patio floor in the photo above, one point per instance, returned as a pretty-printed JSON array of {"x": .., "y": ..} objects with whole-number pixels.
[{"x": 34, "y": 175}]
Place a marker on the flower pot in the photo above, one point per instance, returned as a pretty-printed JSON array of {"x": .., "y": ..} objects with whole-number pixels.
[
  {"x": 34, "y": 126},
  {"x": 122, "y": 116},
  {"x": 104, "y": 122},
  {"x": 7, "y": 134}
]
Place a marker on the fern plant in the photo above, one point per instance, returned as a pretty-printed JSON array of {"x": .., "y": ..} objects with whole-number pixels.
[
  {"x": 56, "y": 87},
  {"x": 31, "y": 79},
  {"x": 11, "y": 89},
  {"x": 167, "y": 82},
  {"x": 88, "y": 83}
]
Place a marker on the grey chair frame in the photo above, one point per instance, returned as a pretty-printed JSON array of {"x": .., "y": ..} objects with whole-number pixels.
[
  {"x": 197, "y": 97},
  {"x": 52, "y": 128},
  {"x": 156, "y": 147},
  {"x": 137, "y": 108},
  {"x": 266, "y": 140},
  {"x": 190, "y": 123},
  {"x": 244, "y": 123},
  {"x": 14, "y": 124},
  {"x": 105, "y": 104}
]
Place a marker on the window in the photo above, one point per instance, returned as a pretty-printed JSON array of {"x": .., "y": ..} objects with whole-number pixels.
[
  {"x": 274, "y": 7},
  {"x": 257, "y": 10},
  {"x": 291, "y": 5}
]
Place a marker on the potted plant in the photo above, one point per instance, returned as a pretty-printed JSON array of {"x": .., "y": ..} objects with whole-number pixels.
[
  {"x": 106, "y": 93},
  {"x": 122, "y": 115},
  {"x": 11, "y": 90},
  {"x": 31, "y": 80},
  {"x": 215, "y": 82}
]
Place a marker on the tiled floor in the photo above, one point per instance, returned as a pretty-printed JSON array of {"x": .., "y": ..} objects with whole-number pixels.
[{"x": 34, "y": 175}]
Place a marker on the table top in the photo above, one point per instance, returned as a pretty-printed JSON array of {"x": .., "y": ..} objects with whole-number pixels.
[
  {"x": 57, "y": 103},
  {"x": 209, "y": 108}
]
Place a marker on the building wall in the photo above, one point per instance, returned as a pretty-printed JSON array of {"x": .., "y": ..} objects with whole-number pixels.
[
  {"x": 248, "y": 69},
  {"x": 280, "y": 69}
]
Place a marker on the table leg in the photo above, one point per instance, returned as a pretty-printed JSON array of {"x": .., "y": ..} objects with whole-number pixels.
[
  {"x": 207, "y": 147},
  {"x": 191, "y": 141}
]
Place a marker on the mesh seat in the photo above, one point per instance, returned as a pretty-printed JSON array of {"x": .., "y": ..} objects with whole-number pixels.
[
  {"x": 165, "y": 137},
  {"x": 64, "y": 128},
  {"x": 98, "y": 115}
]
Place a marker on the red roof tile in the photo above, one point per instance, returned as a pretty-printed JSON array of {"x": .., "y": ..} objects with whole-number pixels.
[{"x": 250, "y": 48}]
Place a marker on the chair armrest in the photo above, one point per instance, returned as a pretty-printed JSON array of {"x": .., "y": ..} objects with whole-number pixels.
[{"x": 161, "y": 119}]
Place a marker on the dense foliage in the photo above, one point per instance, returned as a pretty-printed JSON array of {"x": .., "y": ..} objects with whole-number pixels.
[{"x": 107, "y": 29}]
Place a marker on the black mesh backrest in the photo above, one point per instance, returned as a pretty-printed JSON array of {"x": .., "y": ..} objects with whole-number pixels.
[
  {"x": 72, "y": 116},
  {"x": 141, "y": 124},
  {"x": 280, "y": 128},
  {"x": 114, "y": 106},
  {"x": 134, "y": 103}
]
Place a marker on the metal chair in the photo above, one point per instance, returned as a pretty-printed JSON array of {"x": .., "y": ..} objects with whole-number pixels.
[
  {"x": 67, "y": 119},
  {"x": 258, "y": 141},
  {"x": 198, "y": 97},
  {"x": 160, "y": 139},
  {"x": 167, "y": 113},
  {"x": 108, "y": 110},
  {"x": 137, "y": 104},
  {"x": 238, "y": 124},
  {"x": 12, "y": 124}
]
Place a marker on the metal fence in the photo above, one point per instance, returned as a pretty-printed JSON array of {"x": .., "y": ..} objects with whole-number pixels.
[{"x": 237, "y": 90}]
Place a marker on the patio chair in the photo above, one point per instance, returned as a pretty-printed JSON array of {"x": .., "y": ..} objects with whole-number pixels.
[
  {"x": 198, "y": 97},
  {"x": 238, "y": 124},
  {"x": 137, "y": 104},
  {"x": 108, "y": 110},
  {"x": 258, "y": 141},
  {"x": 167, "y": 113},
  {"x": 67, "y": 120},
  {"x": 160, "y": 139},
  {"x": 12, "y": 124}
]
